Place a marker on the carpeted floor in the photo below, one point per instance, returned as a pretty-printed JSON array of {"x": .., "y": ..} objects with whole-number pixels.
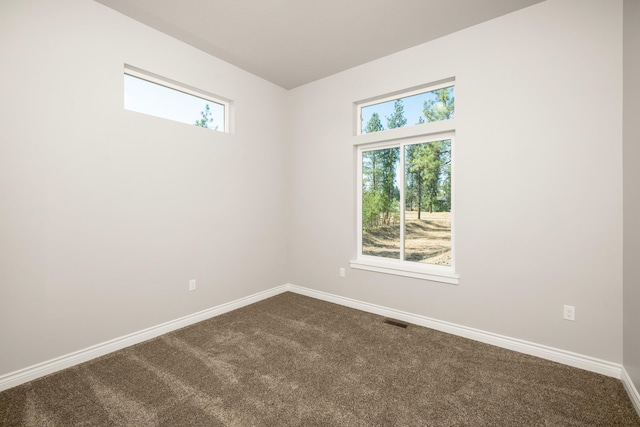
[{"x": 293, "y": 360}]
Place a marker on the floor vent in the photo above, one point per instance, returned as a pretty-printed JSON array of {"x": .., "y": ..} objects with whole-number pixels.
[{"x": 397, "y": 323}]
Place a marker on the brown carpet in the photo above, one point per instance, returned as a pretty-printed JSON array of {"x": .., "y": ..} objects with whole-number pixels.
[{"x": 293, "y": 360}]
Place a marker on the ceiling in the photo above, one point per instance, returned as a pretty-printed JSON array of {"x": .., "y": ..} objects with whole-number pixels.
[{"x": 294, "y": 42}]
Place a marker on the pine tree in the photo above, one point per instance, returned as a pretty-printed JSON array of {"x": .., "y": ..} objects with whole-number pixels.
[
  {"x": 428, "y": 165},
  {"x": 441, "y": 108},
  {"x": 206, "y": 118},
  {"x": 380, "y": 195},
  {"x": 389, "y": 193},
  {"x": 397, "y": 119},
  {"x": 374, "y": 124}
]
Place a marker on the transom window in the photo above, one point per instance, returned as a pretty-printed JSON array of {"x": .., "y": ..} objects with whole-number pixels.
[
  {"x": 406, "y": 187},
  {"x": 424, "y": 105},
  {"x": 151, "y": 94}
]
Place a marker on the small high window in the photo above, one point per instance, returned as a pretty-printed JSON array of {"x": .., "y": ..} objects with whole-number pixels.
[{"x": 150, "y": 94}]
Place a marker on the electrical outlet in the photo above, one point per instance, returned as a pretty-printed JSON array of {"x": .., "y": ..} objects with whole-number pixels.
[
  {"x": 192, "y": 284},
  {"x": 569, "y": 312},
  {"x": 343, "y": 273}
]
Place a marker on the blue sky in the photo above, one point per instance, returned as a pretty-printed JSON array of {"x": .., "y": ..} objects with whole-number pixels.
[
  {"x": 153, "y": 99},
  {"x": 413, "y": 106}
]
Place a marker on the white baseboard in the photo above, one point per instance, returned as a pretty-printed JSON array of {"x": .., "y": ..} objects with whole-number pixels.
[
  {"x": 557, "y": 355},
  {"x": 632, "y": 391},
  {"x": 30, "y": 373},
  {"x": 561, "y": 356},
  {"x": 569, "y": 358}
]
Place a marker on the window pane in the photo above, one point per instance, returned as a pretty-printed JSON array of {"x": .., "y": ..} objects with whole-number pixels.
[
  {"x": 409, "y": 111},
  {"x": 381, "y": 203},
  {"x": 160, "y": 101},
  {"x": 428, "y": 202}
]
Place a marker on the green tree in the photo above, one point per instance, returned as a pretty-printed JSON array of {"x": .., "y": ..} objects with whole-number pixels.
[
  {"x": 206, "y": 118},
  {"x": 428, "y": 166},
  {"x": 429, "y": 175},
  {"x": 374, "y": 124},
  {"x": 435, "y": 158},
  {"x": 371, "y": 209},
  {"x": 440, "y": 108},
  {"x": 389, "y": 193},
  {"x": 445, "y": 184},
  {"x": 380, "y": 195},
  {"x": 397, "y": 119},
  {"x": 413, "y": 178}
]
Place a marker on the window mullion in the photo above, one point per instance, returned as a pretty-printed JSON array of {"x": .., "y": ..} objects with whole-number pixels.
[
  {"x": 402, "y": 201},
  {"x": 359, "y": 201}
]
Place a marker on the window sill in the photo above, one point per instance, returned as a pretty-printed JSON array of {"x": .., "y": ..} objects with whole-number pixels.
[{"x": 432, "y": 273}]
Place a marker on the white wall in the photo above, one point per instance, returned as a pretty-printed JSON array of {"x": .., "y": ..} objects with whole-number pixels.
[
  {"x": 631, "y": 195},
  {"x": 106, "y": 214},
  {"x": 539, "y": 181}
]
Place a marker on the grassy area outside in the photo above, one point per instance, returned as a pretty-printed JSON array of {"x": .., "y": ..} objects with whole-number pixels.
[{"x": 427, "y": 240}]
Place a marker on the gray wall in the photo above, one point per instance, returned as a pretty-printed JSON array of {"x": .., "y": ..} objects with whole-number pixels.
[
  {"x": 631, "y": 169},
  {"x": 538, "y": 177},
  {"x": 105, "y": 214}
]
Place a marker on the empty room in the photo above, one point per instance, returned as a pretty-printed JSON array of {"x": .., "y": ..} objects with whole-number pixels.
[{"x": 286, "y": 212}]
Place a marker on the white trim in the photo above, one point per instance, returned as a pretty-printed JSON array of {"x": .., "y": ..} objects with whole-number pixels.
[
  {"x": 406, "y": 93},
  {"x": 419, "y": 271},
  {"x": 545, "y": 352},
  {"x": 401, "y": 267},
  {"x": 30, "y": 373},
  {"x": 561, "y": 356},
  {"x": 423, "y": 130},
  {"x": 139, "y": 73},
  {"x": 394, "y": 96},
  {"x": 631, "y": 389}
]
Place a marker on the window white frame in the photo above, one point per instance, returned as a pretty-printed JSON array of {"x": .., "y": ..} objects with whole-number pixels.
[
  {"x": 139, "y": 73},
  {"x": 395, "y": 96},
  {"x": 401, "y": 137}
]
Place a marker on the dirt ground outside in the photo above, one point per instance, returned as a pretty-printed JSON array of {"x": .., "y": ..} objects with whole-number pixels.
[{"x": 427, "y": 240}]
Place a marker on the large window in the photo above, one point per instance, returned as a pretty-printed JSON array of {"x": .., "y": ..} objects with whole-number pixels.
[
  {"x": 405, "y": 187},
  {"x": 150, "y": 94}
]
